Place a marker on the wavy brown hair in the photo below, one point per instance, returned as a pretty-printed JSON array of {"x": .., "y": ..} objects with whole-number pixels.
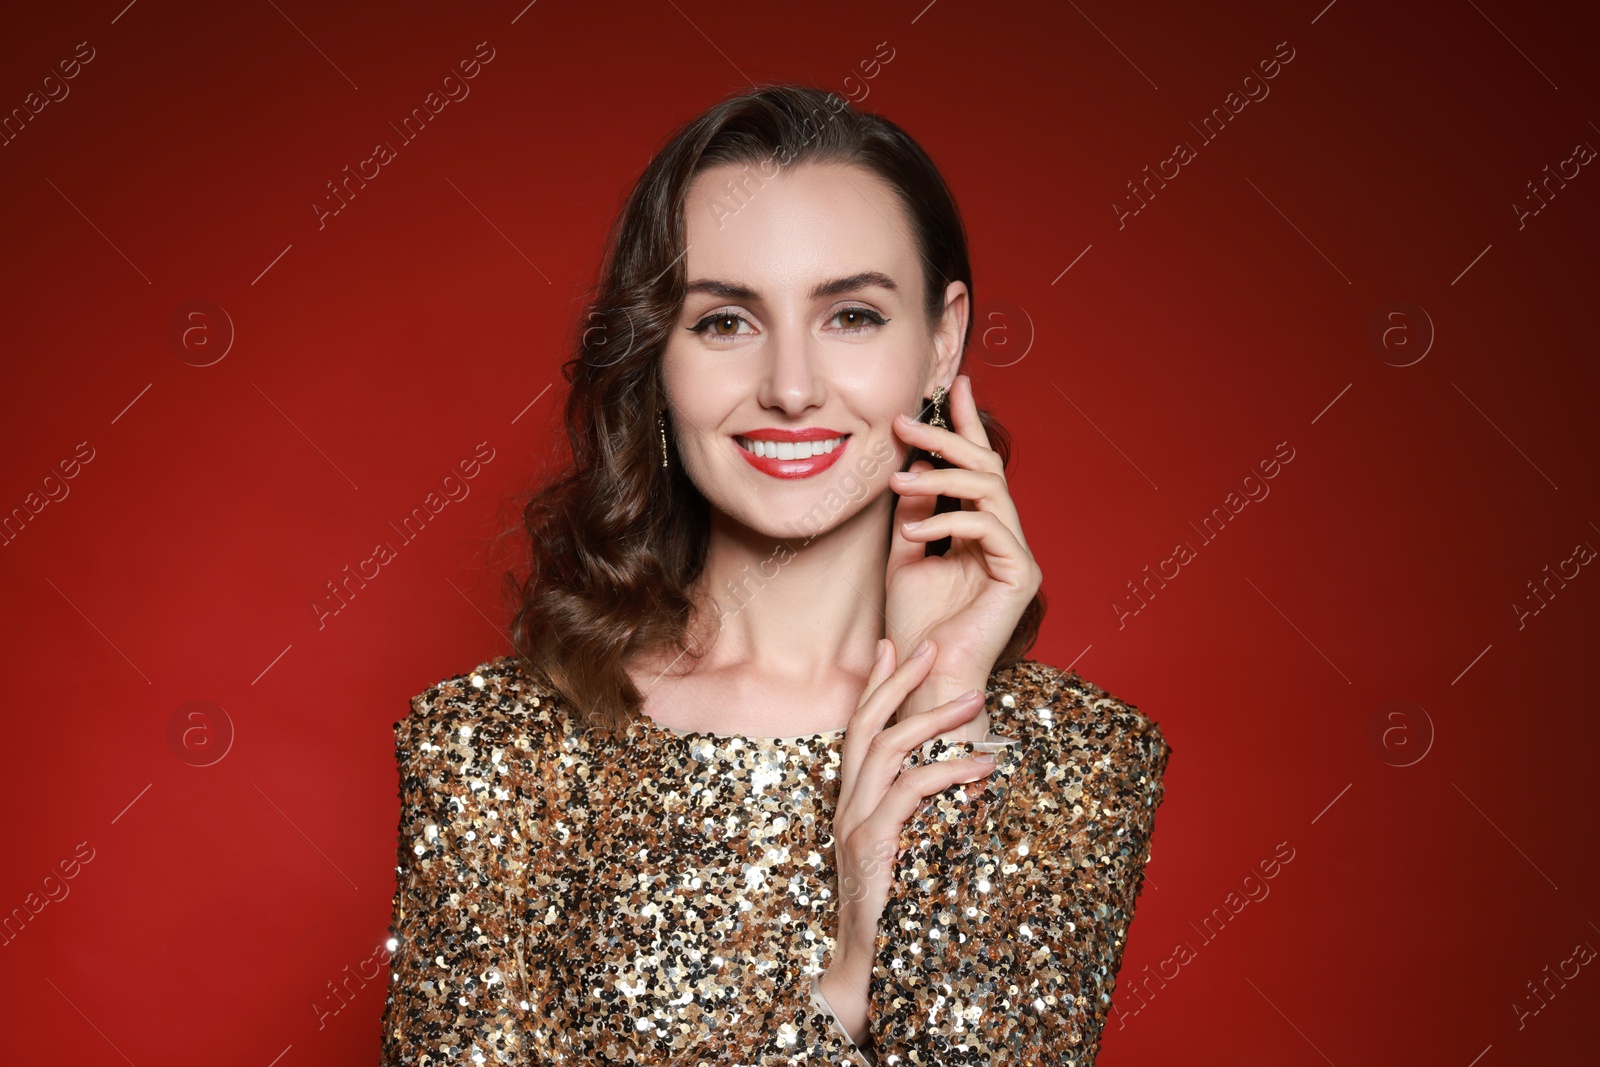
[{"x": 615, "y": 541}]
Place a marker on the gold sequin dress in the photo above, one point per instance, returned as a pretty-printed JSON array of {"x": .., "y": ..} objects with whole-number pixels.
[{"x": 670, "y": 897}]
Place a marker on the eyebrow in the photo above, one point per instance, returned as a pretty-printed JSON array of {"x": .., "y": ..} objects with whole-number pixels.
[{"x": 734, "y": 291}]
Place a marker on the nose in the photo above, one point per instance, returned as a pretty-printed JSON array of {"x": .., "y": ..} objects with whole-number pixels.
[{"x": 790, "y": 379}]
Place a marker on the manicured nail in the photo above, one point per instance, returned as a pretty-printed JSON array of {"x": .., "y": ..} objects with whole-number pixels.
[
  {"x": 906, "y": 476},
  {"x": 967, "y": 696},
  {"x": 883, "y": 650},
  {"x": 984, "y": 757},
  {"x": 910, "y": 525},
  {"x": 922, "y": 650}
]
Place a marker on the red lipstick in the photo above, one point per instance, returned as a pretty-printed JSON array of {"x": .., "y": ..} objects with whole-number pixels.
[{"x": 790, "y": 468}]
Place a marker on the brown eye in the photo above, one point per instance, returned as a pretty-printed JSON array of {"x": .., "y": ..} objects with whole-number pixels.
[
  {"x": 857, "y": 320},
  {"x": 725, "y": 325}
]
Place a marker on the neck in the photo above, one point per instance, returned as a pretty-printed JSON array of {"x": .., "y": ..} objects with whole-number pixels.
[{"x": 797, "y": 609}]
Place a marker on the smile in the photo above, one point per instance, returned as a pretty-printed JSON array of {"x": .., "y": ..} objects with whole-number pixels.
[
  {"x": 792, "y": 459},
  {"x": 789, "y": 449}
]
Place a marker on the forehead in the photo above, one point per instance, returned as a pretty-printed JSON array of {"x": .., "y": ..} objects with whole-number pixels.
[{"x": 811, "y": 221}]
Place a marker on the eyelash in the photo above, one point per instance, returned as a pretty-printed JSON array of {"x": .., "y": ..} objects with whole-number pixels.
[{"x": 701, "y": 327}]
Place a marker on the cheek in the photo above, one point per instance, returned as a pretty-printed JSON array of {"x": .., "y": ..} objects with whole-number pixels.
[
  {"x": 696, "y": 395},
  {"x": 698, "y": 414},
  {"x": 886, "y": 374}
]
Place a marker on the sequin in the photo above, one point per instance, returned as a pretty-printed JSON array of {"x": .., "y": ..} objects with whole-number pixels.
[{"x": 669, "y": 897}]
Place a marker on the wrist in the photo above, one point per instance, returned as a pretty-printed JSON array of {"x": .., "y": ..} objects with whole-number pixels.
[
  {"x": 846, "y": 996},
  {"x": 936, "y": 691}
]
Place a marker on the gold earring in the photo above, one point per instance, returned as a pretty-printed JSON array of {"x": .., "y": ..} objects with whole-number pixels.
[
  {"x": 936, "y": 416},
  {"x": 661, "y": 424},
  {"x": 940, "y": 393}
]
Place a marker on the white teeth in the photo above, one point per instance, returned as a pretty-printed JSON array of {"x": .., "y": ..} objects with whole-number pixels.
[{"x": 790, "y": 449}]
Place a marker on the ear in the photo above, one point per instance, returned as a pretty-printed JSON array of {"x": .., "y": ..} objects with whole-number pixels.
[{"x": 948, "y": 334}]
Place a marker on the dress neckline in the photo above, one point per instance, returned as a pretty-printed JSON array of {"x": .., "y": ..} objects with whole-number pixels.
[
  {"x": 725, "y": 742},
  {"x": 651, "y": 726}
]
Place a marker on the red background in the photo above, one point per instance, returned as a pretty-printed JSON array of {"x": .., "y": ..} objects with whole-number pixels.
[{"x": 1144, "y": 385}]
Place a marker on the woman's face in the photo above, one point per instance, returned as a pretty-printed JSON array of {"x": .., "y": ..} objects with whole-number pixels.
[{"x": 804, "y": 318}]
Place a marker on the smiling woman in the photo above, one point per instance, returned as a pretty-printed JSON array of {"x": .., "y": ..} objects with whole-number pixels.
[
  {"x": 758, "y": 354},
  {"x": 847, "y": 822}
]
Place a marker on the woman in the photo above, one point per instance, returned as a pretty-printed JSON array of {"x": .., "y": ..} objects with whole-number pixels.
[{"x": 728, "y": 803}]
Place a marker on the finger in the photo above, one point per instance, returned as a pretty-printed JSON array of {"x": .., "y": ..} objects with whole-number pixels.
[
  {"x": 985, "y": 490},
  {"x": 882, "y": 665},
  {"x": 964, "y": 411},
  {"x": 1005, "y": 556},
  {"x": 867, "y": 855},
  {"x": 907, "y": 485},
  {"x": 885, "y": 756},
  {"x": 954, "y": 447},
  {"x": 910, "y": 506},
  {"x": 909, "y": 790},
  {"x": 878, "y": 702},
  {"x": 966, "y": 444},
  {"x": 885, "y": 666}
]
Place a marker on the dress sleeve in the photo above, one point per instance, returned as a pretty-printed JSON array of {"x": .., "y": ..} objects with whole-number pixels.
[
  {"x": 1004, "y": 929},
  {"x": 798, "y": 1029},
  {"x": 456, "y": 992},
  {"x": 822, "y": 1005}
]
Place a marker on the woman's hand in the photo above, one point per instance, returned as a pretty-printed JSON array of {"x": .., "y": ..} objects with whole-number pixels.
[
  {"x": 969, "y": 600},
  {"x": 875, "y": 800}
]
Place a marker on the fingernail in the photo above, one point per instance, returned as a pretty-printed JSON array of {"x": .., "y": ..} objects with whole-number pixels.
[
  {"x": 906, "y": 476},
  {"x": 984, "y": 757},
  {"x": 968, "y": 695},
  {"x": 910, "y": 525},
  {"x": 921, "y": 650},
  {"x": 882, "y": 651}
]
